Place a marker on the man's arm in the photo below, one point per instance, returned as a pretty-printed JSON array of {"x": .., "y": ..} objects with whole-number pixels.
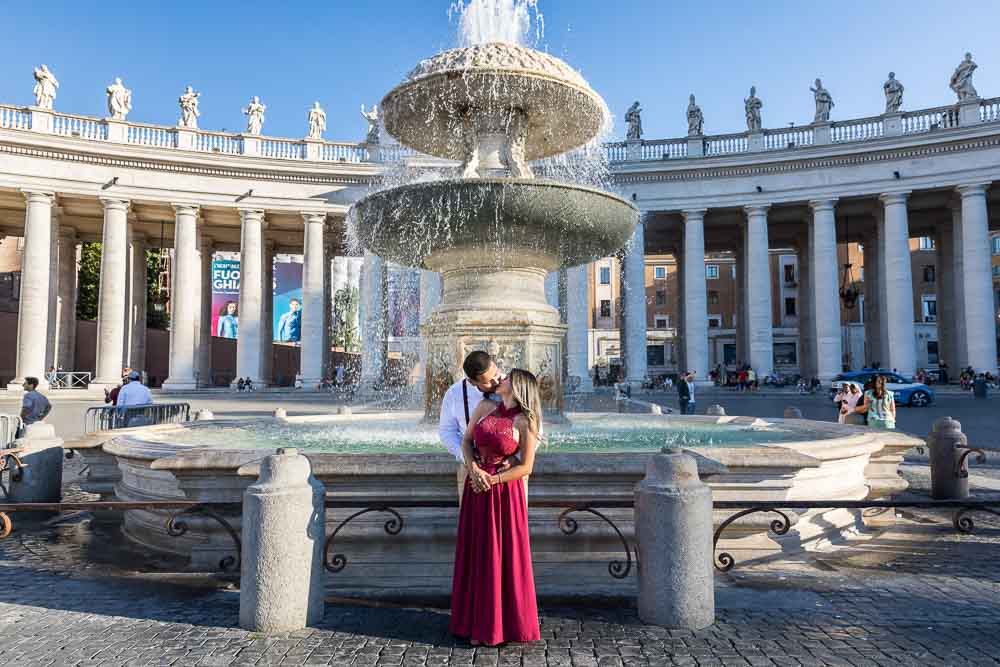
[{"x": 449, "y": 430}]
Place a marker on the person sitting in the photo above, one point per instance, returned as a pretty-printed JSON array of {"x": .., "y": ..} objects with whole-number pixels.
[
  {"x": 112, "y": 396},
  {"x": 248, "y": 383},
  {"x": 240, "y": 385},
  {"x": 135, "y": 392},
  {"x": 34, "y": 406}
]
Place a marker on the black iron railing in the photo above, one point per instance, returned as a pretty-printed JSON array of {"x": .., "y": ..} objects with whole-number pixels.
[{"x": 108, "y": 418}]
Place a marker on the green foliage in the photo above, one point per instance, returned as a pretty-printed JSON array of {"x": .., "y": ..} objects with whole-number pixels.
[
  {"x": 345, "y": 312},
  {"x": 88, "y": 281},
  {"x": 155, "y": 319}
]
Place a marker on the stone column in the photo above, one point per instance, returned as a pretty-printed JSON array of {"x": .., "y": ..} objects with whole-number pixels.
[
  {"x": 633, "y": 331},
  {"x": 578, "y": 327},
  {"x": 314, "y": 339},
  {"x": 66, "y": 304},
  {"x": 205, "y": 252},
  {"x": 112, "y": 305},
  {"x": 33, "y": 311},
  {"x": 897, "y": 285},
  {"x": 946, "y": 279},
  {"x": 136, "y": 347},
  {"x": 52, "y": 330},
  {"x": 251, "y": 328},
  {"x": 742, "y": 344},
  {"x": 824, "y": 290},
  {"x": 758, "y": 292},
  {"x": 695, "y": 296},
  {"x": 430, "y": 293},
  {"x": 353, "y": 318},
  {"x": 374, "y": 307},
  {"x": 185, "y": 273},
  {"x": 961, "y": 359},
  {"x": 806, "y": 314},
  {"x": 976, "y": 281},
  {"x": 874, "y": 347},
  {"x": 267, "y": 316}
]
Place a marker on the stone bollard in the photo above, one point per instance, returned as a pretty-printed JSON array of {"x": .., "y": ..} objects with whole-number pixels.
[
  {"x": 716, "y": 410},
  {"x": 42, "y": 457},
  {"x": 280, "y": 413},
  {"x": 792, "y": 413},
  {"x": 947, "y": 445},
  {"x": 344, "y": 410},
  {"x": 673, "y": 527},
  {"x": 204, "y": 415},
  {"x": 284, "y": 528}
]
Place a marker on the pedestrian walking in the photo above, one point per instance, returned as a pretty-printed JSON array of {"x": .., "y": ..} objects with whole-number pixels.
[
  {"x": 847, "y": 400},
  {"x": 34, "y": 406},
  {"x": 685, "y": 393},
  {"x": 879, "y": 405}
]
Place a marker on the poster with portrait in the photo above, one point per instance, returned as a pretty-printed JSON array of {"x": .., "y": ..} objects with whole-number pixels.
[
  {"x": 288, "y": 302},
  {"x": 225, "y": 297}
]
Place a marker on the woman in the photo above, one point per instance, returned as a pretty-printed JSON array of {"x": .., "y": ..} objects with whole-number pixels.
[
  {"x": 879, "y": 405},
  {"x": 493, "y": 589},
  {"x": 228, "y": 321},
  {"x": 847, "y": 398}
]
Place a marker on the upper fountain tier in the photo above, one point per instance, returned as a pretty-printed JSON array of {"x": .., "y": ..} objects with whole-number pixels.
[{"x": 514, "y": 102}]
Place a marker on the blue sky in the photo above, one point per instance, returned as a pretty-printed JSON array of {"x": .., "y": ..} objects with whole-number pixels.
[{"x": 348, "y": 52}]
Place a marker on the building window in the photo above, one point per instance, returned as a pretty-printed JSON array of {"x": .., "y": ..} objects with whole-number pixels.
[
  {"x": 661, "y": 297},
  {"x": 660, "y": 272},
  {"x": 996, "y": 245},
  {"x": 790, "y": 306},
  {"x": 789, "y": 274},
  {"x": 661, "y": 322},
  {"x": 929, "y": 308},
  {"x": 729, "y": 354},
  {"x": 712, "y": 271},
  {"x": 715, "y": 321},
  {"x": 713, "y": 297},
  {"x": 926, "y": 243},
  {"x": 605, "y": 307},
  {"x": 932, "y": 353},
  {"x": 929, "y": 273},
  {"x": 784, "y": 354},
  {"x": 654, "y": 355},
  {"x": 996, "y": 269},
  {"x": 605, "y": 275}
]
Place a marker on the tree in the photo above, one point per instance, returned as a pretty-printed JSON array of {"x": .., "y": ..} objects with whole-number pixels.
[
  {"x": 345, "y": 309},
  {"x": 156, "y": 305},
  {"x": 89, "y": 286}
]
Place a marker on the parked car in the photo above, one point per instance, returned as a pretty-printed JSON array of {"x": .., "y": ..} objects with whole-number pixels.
[{"x": 905, "y": 391}]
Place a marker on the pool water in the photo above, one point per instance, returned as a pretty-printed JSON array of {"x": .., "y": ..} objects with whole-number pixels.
[{"x": 587, "y": 433}]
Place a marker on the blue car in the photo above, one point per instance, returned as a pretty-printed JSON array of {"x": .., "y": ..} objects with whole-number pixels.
[{"x": 904, "y": 391}]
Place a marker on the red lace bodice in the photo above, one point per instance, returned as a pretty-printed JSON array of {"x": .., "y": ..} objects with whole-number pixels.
[{"x": 494, "y": 436}]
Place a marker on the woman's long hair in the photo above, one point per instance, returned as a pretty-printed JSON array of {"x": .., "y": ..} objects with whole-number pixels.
[
  {"x": 225, "y": 309},
  {"x": 524, "y": 386},
  {"x": 878, "y": 387}
]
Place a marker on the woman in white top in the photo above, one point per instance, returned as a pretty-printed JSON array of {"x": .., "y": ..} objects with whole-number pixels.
[{"x": 848, "y": 398}]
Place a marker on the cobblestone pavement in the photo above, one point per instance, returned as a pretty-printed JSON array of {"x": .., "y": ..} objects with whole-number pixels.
[{"x": 918, "y": 594}]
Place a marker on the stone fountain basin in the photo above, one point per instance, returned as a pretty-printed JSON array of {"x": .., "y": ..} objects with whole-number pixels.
[
  {"x": 507, "y": 221},
  {"x": 428, "y": 111},
  {"x": 164, "y": 462}
]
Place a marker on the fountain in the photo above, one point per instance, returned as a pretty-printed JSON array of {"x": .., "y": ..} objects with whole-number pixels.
[{"x": 494, "y": 231}]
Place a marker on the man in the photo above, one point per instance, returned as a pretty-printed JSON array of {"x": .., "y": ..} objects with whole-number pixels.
[
  {"x": 112, "y": 396},
  {"x": 482, "y": 377},
  {"x": 34, "y": 406},
  {"x": 134, "y": 392},
  {"x": 290, "y": 324},
  {"x": 685, "y": 393}
]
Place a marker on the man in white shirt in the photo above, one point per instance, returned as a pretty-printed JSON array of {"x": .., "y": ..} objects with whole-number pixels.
[
  {"x": 482, "y": 377},
  {"x": 134, "y": 392}
]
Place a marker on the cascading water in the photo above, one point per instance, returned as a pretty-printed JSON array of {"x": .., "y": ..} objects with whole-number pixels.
[{"x": 518, "y": 189}]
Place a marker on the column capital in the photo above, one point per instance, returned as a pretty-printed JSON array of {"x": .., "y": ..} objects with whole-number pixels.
[
  {"x": 115, "y": 204},
  {"x": 822, "y": 204},
  {"x": 38, "y": 196},
  {"x": 186, "y": 209},
  {"x": 251, "y": 215},
  {"x": 756, "y": 209},
  {"x": 694, "y": 215},
  {"x": 889, "y": 198},
  {"x": 314, "y": 217},
  {"x": 972, "y": 189}
]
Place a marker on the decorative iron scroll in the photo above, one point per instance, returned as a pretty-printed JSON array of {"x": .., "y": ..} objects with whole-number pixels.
[
  {"x": 177, "y": 527},
  {"x": 338, "y": 562},
  {"x": 10, "y": 461},
  {"x": 963, "y": 522},
  {"x": 725, "y": 561},
  {"x": 568, "y": 525},
  {"x": 960, "y": 468}
]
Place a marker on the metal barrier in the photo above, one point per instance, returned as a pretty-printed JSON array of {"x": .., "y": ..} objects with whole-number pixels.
[
  {"x": 71, "y": 380},
  {"x": 110, "y": 417},
  {"x": 9, "y": 427}
]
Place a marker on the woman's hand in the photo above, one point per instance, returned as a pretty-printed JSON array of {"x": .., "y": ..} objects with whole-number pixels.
[{"x": 480, "y": 479}]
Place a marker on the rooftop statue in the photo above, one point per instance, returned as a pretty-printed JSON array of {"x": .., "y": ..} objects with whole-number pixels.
[
  {"x": 893, "y": 94},
  {"x": 255, "y": 116},
  {"x": 189, "y": 109},
  {"x": 961, "y": 79},
  {"x": 824, "y": 103},
  {"x": 119, "y": 100},
  {"x": 752, "y": 106},
  {"x": 317, "y": 122},
  {"x": 373, "y": 124},
  {"x": 633, "y": 118},
  {"x": 696, "y": 119},
  {"x": 45, "y": 87}
]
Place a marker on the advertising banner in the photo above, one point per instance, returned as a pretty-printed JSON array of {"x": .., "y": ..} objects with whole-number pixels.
[
  {"x": 225, "y": 297},
  {"x": 287, "y": 322}
]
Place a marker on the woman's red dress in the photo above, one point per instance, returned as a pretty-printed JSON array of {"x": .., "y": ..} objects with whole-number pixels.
[{"x": 493, "y": 589}]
